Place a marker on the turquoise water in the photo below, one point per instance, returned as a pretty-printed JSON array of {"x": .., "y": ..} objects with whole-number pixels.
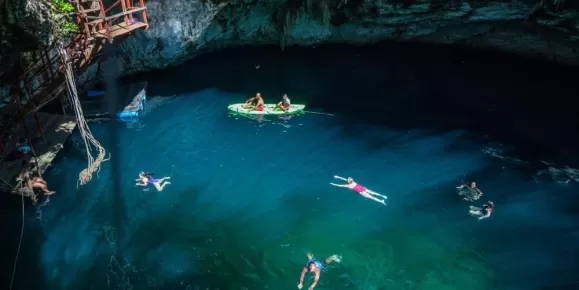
[{"x": 249, "y": 198}]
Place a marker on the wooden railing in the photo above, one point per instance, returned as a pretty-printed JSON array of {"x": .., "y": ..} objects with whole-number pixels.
[
  {"x": 96, "y": 21},
  {"x": 43, "y": 80}
]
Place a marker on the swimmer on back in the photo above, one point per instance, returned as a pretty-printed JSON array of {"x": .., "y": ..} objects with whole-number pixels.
[
  {"x": 284, "y": 104},
  {"x": 351, "y": 184},
  {"x": 147, "y": 178},
  {"x": 255, "y": 102},
  {"x": 315, "y": 267},
  {"x": 483, "y": 212}
]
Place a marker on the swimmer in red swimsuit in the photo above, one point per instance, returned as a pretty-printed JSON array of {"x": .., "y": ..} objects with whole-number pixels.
[{"x": 360, "y": 189}]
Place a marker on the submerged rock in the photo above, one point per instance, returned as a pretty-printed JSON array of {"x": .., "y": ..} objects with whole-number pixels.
[{"x": 181, "y": 29}]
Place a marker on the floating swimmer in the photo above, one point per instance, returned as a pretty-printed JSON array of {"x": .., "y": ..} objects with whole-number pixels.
[
  {"x": 483, "y": 212},
  {"x": 315, "y": 267},
  {"x": 147, "y": 178},
  {"x": 360, "y": 189},
  {"x": 470, "y": 193}
]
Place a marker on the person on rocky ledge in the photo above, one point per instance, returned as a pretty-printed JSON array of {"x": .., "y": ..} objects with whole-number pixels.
[{"x": 32, "y": 179}]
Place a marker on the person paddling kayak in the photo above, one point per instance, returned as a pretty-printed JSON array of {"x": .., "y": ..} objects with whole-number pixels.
[
  {"x": 255, "y": 102},
  {"x": 284, "y": 104},
  {"x": 351, "y": 184}
]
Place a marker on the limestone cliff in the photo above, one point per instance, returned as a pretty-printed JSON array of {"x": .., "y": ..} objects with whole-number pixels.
[
  {"x": 24, "y": 26},
  {"x": 181, "y": 29}
]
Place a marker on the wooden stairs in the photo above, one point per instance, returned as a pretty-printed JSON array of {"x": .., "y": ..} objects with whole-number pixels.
[{"x": 43, "y": 81}]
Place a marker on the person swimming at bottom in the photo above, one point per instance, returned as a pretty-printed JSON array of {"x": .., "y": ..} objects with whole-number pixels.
[
  {"x": 351, "y": 184},
  {"x": 255, "y": 103},
  {"x": 315, "y": 267},
  {"x": 147, "y": 178},
  {"x": 483, "y": 212}
]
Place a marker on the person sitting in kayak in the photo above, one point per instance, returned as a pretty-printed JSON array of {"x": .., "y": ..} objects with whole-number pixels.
[
  {"x": 471, "y": 192},
  {"x": 483, "y": 212},
  {"x": 147, "y": 178},
  {"x": 284, "y": 104},
  {"x": 360, "y": 189},
  {"x": 315, "y": 267},
  {"x": 255, "y": 102}
]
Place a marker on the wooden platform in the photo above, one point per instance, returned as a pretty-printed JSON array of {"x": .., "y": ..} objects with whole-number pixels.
[
  {"x": 57, "y": 129},
  {"x": 120, "y": 29}
]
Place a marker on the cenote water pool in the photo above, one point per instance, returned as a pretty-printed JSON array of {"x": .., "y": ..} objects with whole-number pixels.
[{"x": 249, "y": 198}]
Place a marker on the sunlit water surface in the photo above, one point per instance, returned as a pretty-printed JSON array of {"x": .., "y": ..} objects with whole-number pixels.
[{"x": 249, "y": 198}]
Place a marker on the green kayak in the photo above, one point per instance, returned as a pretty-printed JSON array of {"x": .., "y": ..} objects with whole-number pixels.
[{"x": 269, "y": 109}]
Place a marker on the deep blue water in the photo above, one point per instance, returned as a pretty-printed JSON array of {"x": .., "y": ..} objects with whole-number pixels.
[{"x": 249, "y": 198}]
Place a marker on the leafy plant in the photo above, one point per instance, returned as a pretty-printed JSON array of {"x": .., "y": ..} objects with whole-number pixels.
[{"x": 62, "y": 16}]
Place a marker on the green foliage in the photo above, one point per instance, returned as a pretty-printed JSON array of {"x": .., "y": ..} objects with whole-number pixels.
[
  {"x": 62, "y": 6},
  {"x": 62, "y": 18}
]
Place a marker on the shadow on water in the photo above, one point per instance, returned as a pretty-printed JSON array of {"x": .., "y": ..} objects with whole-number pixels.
[
  {"x": 402, "y": 85},
  {"x": 29, "y": 272}
]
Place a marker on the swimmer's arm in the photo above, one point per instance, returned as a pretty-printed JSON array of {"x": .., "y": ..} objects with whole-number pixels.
[
  {"x": 304, "y": 270},
  {"x": 140, "y": 184},
  {"x": 315, "y": 280},
  {"x": 339, "y": 185},
  {"x": 339, "y": 177}
]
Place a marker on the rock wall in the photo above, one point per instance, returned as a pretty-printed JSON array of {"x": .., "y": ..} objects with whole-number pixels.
[
  {"x": 24, "y": 25},
  {"x": 182, "y": 29}
]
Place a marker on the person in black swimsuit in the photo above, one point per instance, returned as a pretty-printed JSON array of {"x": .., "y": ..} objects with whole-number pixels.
[{"x": 315, "y": 267}]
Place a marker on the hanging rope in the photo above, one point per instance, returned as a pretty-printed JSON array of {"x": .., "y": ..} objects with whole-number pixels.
[{"x": 90, "y": 142}]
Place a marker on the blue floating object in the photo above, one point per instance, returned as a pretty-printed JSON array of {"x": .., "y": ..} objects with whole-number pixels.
[
  {"x": 126, "y": 114},
  {"x": 91, "y": 94}
]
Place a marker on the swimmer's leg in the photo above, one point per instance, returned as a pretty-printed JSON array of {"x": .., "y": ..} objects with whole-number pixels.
[
  {"x": 333, "y": 258},
  {"x": 160, "y": 186},
  {"x": 375, "y": 193},
  {"x": 366, "y": 195},
  {"x": 164, "y": 184},
  {"x": 476, "y": 211},
  {"x": 164, "y": 178}
]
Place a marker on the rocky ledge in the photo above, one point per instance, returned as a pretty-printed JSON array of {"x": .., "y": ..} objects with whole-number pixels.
[{"x": 182, "y": 29}]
